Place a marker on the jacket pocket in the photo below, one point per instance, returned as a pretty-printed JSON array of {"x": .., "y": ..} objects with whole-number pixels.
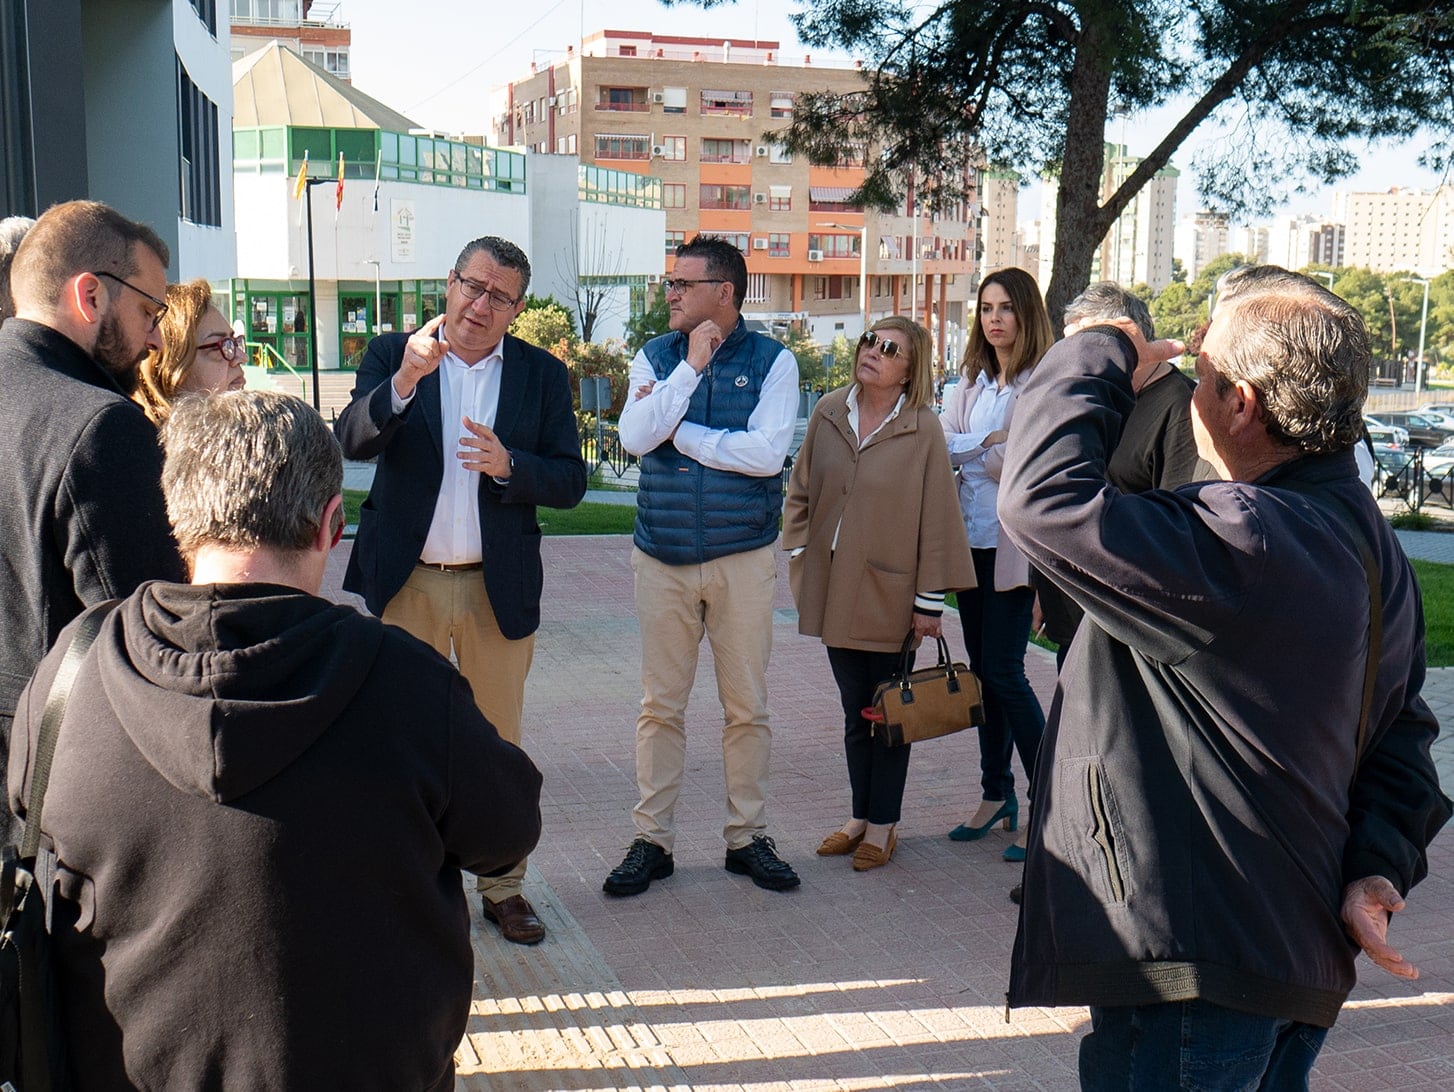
[
  {"x": 1091, "y": 834},
  {"x": 884, "y": 605}
]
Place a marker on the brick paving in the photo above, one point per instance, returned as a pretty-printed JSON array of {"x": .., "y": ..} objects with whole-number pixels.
[{"x": 889, "y": 979}]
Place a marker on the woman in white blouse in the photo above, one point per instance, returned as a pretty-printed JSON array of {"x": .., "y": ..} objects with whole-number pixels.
[{"x": 1012, "y": 334}]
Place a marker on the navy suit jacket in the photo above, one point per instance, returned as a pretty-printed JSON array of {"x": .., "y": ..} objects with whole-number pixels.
[{"x": 536, "y": 422}]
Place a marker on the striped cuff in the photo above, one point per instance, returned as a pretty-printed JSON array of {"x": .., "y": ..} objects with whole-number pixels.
[{"x": 931, "y": 603}]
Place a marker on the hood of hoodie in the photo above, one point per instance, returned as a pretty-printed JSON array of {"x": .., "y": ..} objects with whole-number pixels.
[{"x": 222, "y": 686}]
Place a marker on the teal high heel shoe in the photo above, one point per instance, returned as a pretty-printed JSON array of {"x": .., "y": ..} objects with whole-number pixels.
[
  {"x": 1009, "y": 811},
  {"x": 1013, "y": 853}
]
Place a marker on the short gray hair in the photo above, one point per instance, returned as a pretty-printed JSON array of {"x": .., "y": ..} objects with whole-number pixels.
[
  {"x": 1304, "y": 350},
  {"x": 503, "y": 252},
  {"x": 247, "y": 470},
  {"x": 1106, "y": 301},
  {"x": 12, "y": 230}
]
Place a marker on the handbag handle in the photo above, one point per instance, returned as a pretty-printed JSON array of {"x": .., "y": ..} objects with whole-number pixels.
[{"x": 907, "y": 650}]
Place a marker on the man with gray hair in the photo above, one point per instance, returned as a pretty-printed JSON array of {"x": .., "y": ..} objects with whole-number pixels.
[
  {"x": 12, "y": 231},
  {"x": 254, "y": 784},
  {"x": 81, "y": 515},
  {"x": 471, "y": 429},
  {"x": 1236, "y": 772},
  {"x": 1156, "y": 449}
]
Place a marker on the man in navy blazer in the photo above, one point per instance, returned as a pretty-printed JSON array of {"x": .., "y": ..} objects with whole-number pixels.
[{"x": 472, "y": 428}]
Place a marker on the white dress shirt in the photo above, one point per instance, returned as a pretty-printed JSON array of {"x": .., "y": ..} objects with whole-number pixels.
[
  {"x": 977, "y": 490},
  {"x": 758, "y": 451},
  {"x": 465, "y": 390}
]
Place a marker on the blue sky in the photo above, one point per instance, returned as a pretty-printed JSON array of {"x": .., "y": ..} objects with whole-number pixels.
[{"x": 440, "y": 70}]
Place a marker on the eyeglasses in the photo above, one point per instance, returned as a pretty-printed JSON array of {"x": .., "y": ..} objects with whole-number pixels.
[
  {"x": 473, "y": 290},
  {"x": 681, "y": 284},
  {"x": 886, "y": 347},
  {"x": 232, "y": 349},
  {"x": 161, "y": 304}
]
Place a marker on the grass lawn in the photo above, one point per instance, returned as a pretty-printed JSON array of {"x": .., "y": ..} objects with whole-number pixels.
[{"x": 585, "y": 518}]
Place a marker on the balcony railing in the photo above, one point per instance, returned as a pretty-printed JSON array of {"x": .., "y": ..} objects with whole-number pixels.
[{"x": 626, "y": 107}]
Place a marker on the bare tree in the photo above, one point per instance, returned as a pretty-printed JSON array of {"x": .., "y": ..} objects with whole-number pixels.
[{"x": 595, "y": 270}]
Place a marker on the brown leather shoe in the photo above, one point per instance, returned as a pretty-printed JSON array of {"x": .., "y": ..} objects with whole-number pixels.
[
  {"x": 867, "y": 856},
  {"x": 839, "y": 844},
  {"x": 516, "y": 919}
]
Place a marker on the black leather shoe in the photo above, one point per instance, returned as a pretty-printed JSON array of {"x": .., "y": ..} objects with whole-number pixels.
[
  {"x": 759, "y": 860},
  {"x": 645, "y": 861}
]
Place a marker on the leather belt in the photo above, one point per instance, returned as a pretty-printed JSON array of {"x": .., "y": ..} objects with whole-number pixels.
[{"x": 464, "y": 567}]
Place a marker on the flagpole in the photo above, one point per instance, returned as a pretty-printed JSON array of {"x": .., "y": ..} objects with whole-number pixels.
[{"x": 312, "y": 296}]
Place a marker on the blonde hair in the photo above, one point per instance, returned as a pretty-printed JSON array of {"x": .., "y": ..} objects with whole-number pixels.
[
  {"x": 162, "y": 373},
  {"x": 920, "y": 391},
  {"x": 1033, "y": 333}
]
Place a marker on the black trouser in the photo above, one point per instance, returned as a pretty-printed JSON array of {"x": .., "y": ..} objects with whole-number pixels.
[{"x": 876, "y": 774}]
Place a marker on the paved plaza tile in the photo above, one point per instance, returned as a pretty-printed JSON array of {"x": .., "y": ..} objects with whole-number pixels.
[{"x": 891, "y": 979}]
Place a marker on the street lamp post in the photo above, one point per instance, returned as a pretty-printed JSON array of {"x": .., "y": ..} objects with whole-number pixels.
[
  {"x": 1423, "y": 328},
  {"x": 862, "y": 230}
]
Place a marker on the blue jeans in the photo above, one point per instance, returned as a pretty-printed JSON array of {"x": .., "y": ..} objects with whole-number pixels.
[
  {"x": 1195, "y": 1045},
  {"x": 996, "y": 627}
]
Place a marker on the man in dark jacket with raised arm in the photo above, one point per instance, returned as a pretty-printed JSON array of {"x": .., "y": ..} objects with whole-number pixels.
[
  {"x": 261, "y": 800},
  {"x": 1236, "y": 774}
]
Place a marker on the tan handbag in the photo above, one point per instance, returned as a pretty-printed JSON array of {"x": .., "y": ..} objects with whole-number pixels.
[{"x": 923, "y": 704}]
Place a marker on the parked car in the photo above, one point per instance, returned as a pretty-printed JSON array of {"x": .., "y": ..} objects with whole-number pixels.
[
  {"x": 1443, "y": 409},
  {"x": 1423, "y": 432},
  {"x": 1439, "y": 470},
  {"x": 1390, "y": 435}
]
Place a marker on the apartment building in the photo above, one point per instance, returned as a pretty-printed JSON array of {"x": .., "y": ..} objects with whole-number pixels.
[
  {"x": 127, "y": 102},
  {"x": 314, "y": 29},
  {"x": 1400, "y": 230},
  {"x": 1138, "y": 248},
  {"x": 1198, "y": 240},
  {"x": 697, "y": 113}
]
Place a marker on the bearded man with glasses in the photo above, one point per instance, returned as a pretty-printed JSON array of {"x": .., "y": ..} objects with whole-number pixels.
[
  {"x": 712, "y": 418},
  {"x": 81, "y": 513},
  {"x": 471, "y": 429}
]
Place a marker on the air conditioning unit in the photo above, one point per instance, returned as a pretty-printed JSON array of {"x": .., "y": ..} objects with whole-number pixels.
[
  {"x": 762, "y": 149},
  {"x": 759, "y": 198},
  {"x": 815, "y": 255},
  {"x": 653, "y": 278},
  {"x": 658, "y": 150},
  {"x": 759, "y": 244},
  {"x": 657, "y": 97},
  {"x": 552, "y": 99}
]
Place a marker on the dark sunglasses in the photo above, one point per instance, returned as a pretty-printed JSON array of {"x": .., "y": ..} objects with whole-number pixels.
[
  {"x": 886, "y": 347},
  {"x": 231, "y": 348}
]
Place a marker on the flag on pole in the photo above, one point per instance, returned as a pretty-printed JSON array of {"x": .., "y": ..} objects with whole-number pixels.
[
  {"x": 338, "y": 197},
  {"x": 302, "y": 186},
  {"x": 378, "y": 172}
]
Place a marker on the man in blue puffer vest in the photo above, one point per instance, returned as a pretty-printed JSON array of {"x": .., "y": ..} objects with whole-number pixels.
[{"x": 711, "y": 417}]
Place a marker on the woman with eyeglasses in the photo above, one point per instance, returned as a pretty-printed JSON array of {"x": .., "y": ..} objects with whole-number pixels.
[
  {"x": 199, "y": 353},
  {"x": 1011, "y": 334},
  {"x": 876, "y": 541}
]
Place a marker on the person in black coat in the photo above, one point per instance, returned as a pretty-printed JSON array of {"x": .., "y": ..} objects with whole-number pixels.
[
  {"x": 81, "y": 512},
  {"x": 472, "y": 428},
  {"x": 260, "y": 800}
]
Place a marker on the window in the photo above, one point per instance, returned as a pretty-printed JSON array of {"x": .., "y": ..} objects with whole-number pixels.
[
  {"x": 207, "y": 11},
  {"x": 673, "y": 195},
  {"x": 628, "y": 51},
  {"x": 726, "y": 197},
  {"x": 675, "y": 239},
  {"x": 733, "y": 103},
  {"x": 332, "y": 61},
  {"x": 819, "y": 287},
  {"x": 780, "y": 104},
  {"x": 835, "y": 246},
  {"x": 779, "y": 245},
  {"x": 831, "y": 199},
  {"x": 622, "y": 146},
  {"x": 855, "y": 155},
  {"x": 780, "y": 198},
  {"x": 757, "y": 288},
  {"x": 674, "y": 100},
  {"x": 622, "y": 98},
  {"x": 674, "y": 149},
  {"x": 726, "y": 151},
  {"x": 776, "y": 153},
  {"x": 740, "y": 239},
  {"x": 199, "y": 177}
]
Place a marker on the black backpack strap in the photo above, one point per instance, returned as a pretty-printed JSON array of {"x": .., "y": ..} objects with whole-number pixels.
[{"x": 50, "y": 721}]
